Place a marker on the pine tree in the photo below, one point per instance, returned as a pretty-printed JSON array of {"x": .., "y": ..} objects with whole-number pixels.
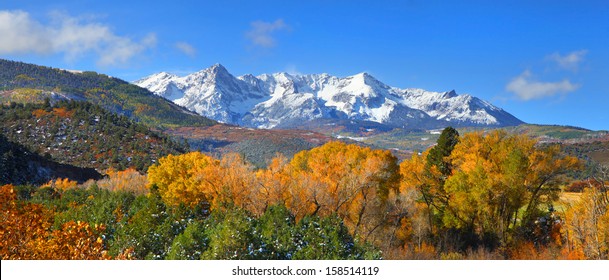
[{"x": 437, "y": 155}]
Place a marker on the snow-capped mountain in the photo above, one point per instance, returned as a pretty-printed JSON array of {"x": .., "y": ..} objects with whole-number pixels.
[{"x": 282, "y": 99}]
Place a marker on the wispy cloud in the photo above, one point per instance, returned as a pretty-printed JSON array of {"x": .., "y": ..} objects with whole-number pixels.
[
  {"x": 261, "y": 33},
  {"x": 186, "y": 48},
  {"x": 525, "y": 88},
  {"x": 70, "y": 36},
  {"x": 570, "y": 61},
  {"x": 292, "y": 70}
]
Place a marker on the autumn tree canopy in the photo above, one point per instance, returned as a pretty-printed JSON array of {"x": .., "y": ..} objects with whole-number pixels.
[
  {"x": 349, "y": 180},
  {"x": 497, "y": 182},
  {"x": 195, "y": 179}
]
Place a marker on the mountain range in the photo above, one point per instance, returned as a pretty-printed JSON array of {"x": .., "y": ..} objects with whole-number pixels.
[
  {"x": 317, "y": 108},
  {"x": 284, "y": 100}
]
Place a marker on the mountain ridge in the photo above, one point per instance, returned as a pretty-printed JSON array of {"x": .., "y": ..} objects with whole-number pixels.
[
  {"x": 283, "y": 100},
  {"x": 34, "y": 83}
]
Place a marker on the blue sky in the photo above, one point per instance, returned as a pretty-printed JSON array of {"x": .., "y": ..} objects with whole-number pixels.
[{"x": 546, "y": 62}]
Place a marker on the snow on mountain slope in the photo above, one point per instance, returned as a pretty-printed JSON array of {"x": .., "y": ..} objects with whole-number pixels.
[{"x": 283, "y": 99}]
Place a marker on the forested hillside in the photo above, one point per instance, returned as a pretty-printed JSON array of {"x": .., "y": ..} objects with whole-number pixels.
[
  {"x": 112, "y": 94},
  {"x": 84, "y": 135},
  {"x": 21, "y": 166}
]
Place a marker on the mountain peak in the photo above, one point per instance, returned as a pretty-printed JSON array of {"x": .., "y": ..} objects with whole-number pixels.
[
  {"x": 218, "y": 66},
  {"x": 216, "y": 71},
  {"x": 363, "y": 75},
  {"x": 450, "y": 94},
  {"x": 366, "y": 79}
]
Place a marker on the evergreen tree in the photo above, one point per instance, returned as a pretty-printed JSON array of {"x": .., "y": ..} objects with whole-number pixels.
[{"x": 445, "y": 145}]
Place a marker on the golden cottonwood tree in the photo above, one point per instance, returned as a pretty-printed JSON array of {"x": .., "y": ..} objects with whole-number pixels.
[
  {"x": 496, "y": 175},
  {"x": 237, "y": 184},
  {"x": 197, "y": 179},
  {"x": 349, "y": 180},
  {"x": 185, "y": 179},
  {"x": 274, "y": 185},
  {"x": 587, "y": 224},
  {"x": 420, "y": 177},
  {"x": 497, "y": 182}
]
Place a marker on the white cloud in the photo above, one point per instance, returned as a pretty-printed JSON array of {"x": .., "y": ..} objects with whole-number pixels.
[
  {"x": 261, "y": 33},
  {"x": 186, "y": 48},
  {"x": 525, "y": 88},
  {"x": 569, "y": 61},
  {"x": 20, "y": 34}
]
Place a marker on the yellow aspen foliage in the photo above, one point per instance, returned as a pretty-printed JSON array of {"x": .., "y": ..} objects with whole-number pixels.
[
  {"x": 349, "y": 180},
  {"x": 413, "y": 172},
  {"x": 185, "y": 179},
  {"x": 496, "y": 175},
  {"x": 127, "y": 254},
  {"x": 197, "y": 179},
  {"x": 61, "y": 184},
  {"x": 587, "y": 225},
  {"x": 495, "y": 182}
]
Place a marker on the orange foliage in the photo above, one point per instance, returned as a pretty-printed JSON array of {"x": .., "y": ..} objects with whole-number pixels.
[
  {"x": 426, "y": 251},
  {"x": 526, "y": 251},
  {"x": 572, "y": 254},
  {"x": 143, "y": 108},
  {"x": 61, "y": 184},
  {"x": 587, "y": 224},
  {"x": 75, "y": 241},
  {"x": 128, "y": 180},
  {"x": 21, "y": 227},
  {"x": 63, "y": 112},
  {"x": 39, "y": 113},
  {"x": 25, "y": 233},
  {"x": 349, "y": 180},
  {"x": 273, "y": 184},
  {"x": 237, "y": 185},
  {"x": 197, "y": 179}
]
